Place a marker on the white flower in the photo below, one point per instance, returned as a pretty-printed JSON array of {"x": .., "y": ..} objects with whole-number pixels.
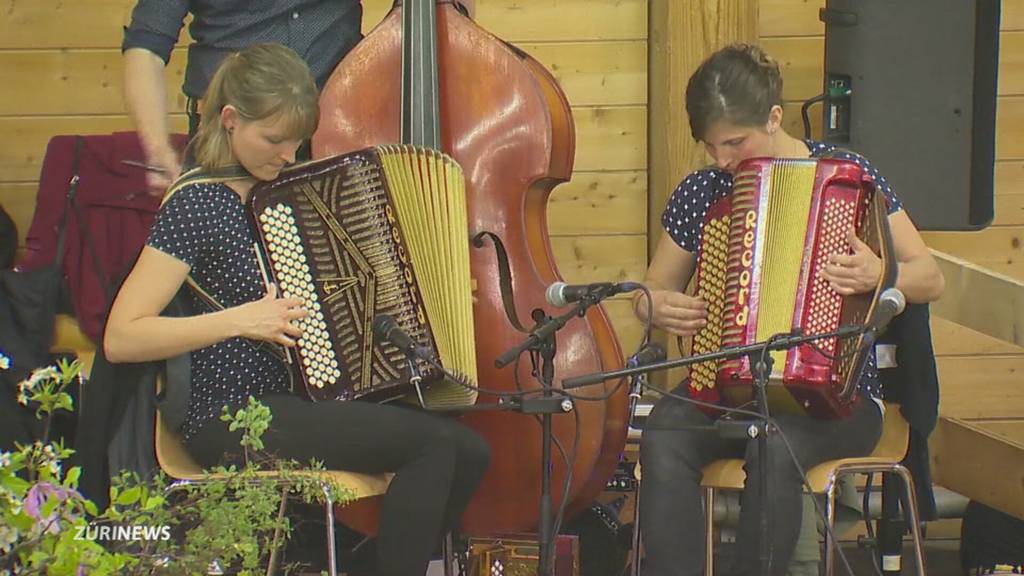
[
  {"x": 22, "y": 399},
  {"x": 5, "y": 459},
  {"x": 5, "y": 362},
  {"x": 42, "y": 374}
]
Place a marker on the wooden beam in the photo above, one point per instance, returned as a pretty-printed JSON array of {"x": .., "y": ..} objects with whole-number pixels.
[
  {"x": 980, "y": 299},
  {"x": 680, "y": 36},
  {"x": 979, "y": 464}
]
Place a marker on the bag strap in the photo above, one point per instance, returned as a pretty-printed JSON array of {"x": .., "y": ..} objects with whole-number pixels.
[
  {"x": 58, "y": 257},
  {"x": 97, "y": 264}
]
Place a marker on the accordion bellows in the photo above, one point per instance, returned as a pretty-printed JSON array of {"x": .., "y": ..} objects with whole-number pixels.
[
  {"x": 762, "y": 250},
  {"x": 378, "y": 231}
]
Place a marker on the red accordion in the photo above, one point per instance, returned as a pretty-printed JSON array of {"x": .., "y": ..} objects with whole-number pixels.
[{"x": 763, "y": 247}]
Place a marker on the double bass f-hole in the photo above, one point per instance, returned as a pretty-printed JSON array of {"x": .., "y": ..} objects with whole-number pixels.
[{"x": 508, "y": 297}]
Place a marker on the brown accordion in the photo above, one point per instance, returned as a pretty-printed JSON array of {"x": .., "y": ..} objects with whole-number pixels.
[
  {"x": 379, "y": 231},
  {"x": 762, "y": 249}
]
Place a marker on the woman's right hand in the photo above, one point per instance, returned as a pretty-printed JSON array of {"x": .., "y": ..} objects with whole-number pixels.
[
  {"x": 271, "y": 318},
  {"x": 675, "y": 312}
]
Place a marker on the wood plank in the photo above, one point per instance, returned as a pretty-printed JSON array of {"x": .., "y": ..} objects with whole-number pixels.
[
  {"x": 1009, "y": 192},
  {"x": 978, "y": 464},
  {"x": 791, "y": 18},
  {"x": 69, "y": 82},
  {"x": 801, "y": 61},
  {"x": 800, "y": 17},
  {"x": 611, "y": 138},
  {"x": 529, "y": 21},
  {"x": 1010, "y": 128},
  {"x": 98, "y": 23},
  {"x": 1012, "y": 17},
  {"x": 1011, "y": 63},
  {"x": 63, "y": 24},
  {"x": 1010, "y": 428},
  {"x": 584, "y": 259},
  {"x": 558, "y": 20},
  {"x": 52, "y": 81},
  {"x": 19, "y": 200},
  {"x": 597, "y": 73},
  {"x": 1009, "y": 210},
  {"x": 599, "y": 203},
  {"x": 952, "y": 339},
  {"x": 516, "y": 21},
  {"x": 997, "y": 249},
  {"x": 606, "y": 138},
  {"x": 982, "y": 387},
  {"x": 989, "y": 303}
]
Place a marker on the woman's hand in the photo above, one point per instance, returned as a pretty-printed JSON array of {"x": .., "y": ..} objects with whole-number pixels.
[
  {"x": 855, "y": 273},
  {"x": 675, "y": 312},
  {"x": 270, "y": 318}
]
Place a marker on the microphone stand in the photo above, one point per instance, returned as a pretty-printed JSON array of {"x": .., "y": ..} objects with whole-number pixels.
[
  {"x": 761, "y": 368},
  {"x": 541, "y": 343}
]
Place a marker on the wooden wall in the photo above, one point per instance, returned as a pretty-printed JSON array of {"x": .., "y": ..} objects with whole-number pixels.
[
  {"x": 62, "y": 70},
  {"x": 981, "y": 377}
]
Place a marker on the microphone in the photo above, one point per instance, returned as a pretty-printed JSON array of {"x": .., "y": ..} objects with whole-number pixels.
[
  {"x": 890, "y": 304},
  {"x": 386, "y": 329},
  {"x": 651, "y": 352},
  {"x": 561, "y": 294}
]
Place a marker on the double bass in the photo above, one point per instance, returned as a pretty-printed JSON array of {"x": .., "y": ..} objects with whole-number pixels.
[{"x": 428, "y": 75}]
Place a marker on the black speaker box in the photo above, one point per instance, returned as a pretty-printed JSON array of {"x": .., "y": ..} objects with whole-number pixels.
[{"x": 911, "y": 85}]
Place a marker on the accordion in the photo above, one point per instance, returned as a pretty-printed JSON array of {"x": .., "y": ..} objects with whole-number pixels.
[
  {"x": 762, "y": 249},
  {"x": 378, "y": 231}
]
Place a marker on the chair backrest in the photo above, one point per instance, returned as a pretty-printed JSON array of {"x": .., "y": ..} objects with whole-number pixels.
[
  {"x": 895, "y": 435},
  {"x": 171, "y": 454}
]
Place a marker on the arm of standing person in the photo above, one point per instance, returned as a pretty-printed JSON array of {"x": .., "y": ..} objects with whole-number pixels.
[
  {"x": 145, "y": 93},
  {"x": 136, "y": 332},
  {"x": 667, "y": 276},
  {"x": 147, "y": 45}
]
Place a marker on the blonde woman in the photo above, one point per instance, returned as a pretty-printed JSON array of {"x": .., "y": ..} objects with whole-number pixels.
[{"x": 260, "y": 106}]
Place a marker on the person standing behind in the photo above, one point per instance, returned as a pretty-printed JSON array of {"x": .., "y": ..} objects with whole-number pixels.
[{"x": 321, "y": 31}]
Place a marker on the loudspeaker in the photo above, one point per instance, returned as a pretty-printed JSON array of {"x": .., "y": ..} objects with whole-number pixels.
[{"x": 911, "y": 85}]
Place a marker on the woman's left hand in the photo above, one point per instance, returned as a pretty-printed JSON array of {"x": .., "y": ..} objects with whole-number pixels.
[{"x": 855, "y": 273}]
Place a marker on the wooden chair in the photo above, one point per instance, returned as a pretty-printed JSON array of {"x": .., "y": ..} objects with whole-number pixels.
[
  {"x": 176, "y": 462},
  {"x": 728, "y": 474}
]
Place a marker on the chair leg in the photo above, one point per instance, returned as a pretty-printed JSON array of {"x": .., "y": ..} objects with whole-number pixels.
[
  {"x": 637, "y": 540},
  {"x": 448, "y": 554},
  {"x": 911, "y": 511},
  {"x": 830, "y": 520},
  {"x": 332, "y": 553},
  {"x": 709, "y": 531}
]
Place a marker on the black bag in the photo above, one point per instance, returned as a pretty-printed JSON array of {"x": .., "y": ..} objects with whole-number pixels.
[
  {"x": 29, "y": 303},
  {"x": 8, "y": 240},
  {"x": 989, "y": 538}
]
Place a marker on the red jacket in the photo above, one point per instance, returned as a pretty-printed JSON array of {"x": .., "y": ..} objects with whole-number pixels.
[{"x": 114, "y": 215}]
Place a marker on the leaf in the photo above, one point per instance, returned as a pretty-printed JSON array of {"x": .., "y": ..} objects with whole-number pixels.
[
  {"x": 71, "y": 479},
  {"x": 129, "y": 496}
]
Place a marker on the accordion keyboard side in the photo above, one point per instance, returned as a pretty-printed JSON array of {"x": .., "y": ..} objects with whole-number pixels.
[{"x": 357, "y": 267}]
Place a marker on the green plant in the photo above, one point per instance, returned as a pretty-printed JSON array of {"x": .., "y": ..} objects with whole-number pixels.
[{"x": 234, "y": 516}]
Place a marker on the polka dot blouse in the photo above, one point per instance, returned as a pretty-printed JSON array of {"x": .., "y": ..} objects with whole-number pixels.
[
  {"x": 693, "y": 196},
  {"x": 206, "y": 227}
]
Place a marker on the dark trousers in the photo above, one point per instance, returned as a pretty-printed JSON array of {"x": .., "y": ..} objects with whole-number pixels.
[
  {"x": 679, "y": 440},
  {"x": 437, "y": 462}
]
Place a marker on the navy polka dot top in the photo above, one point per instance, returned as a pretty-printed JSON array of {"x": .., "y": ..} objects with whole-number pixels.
[
  {"x": 697, "y": 192},
  {"x": 206, "y": 227}
]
